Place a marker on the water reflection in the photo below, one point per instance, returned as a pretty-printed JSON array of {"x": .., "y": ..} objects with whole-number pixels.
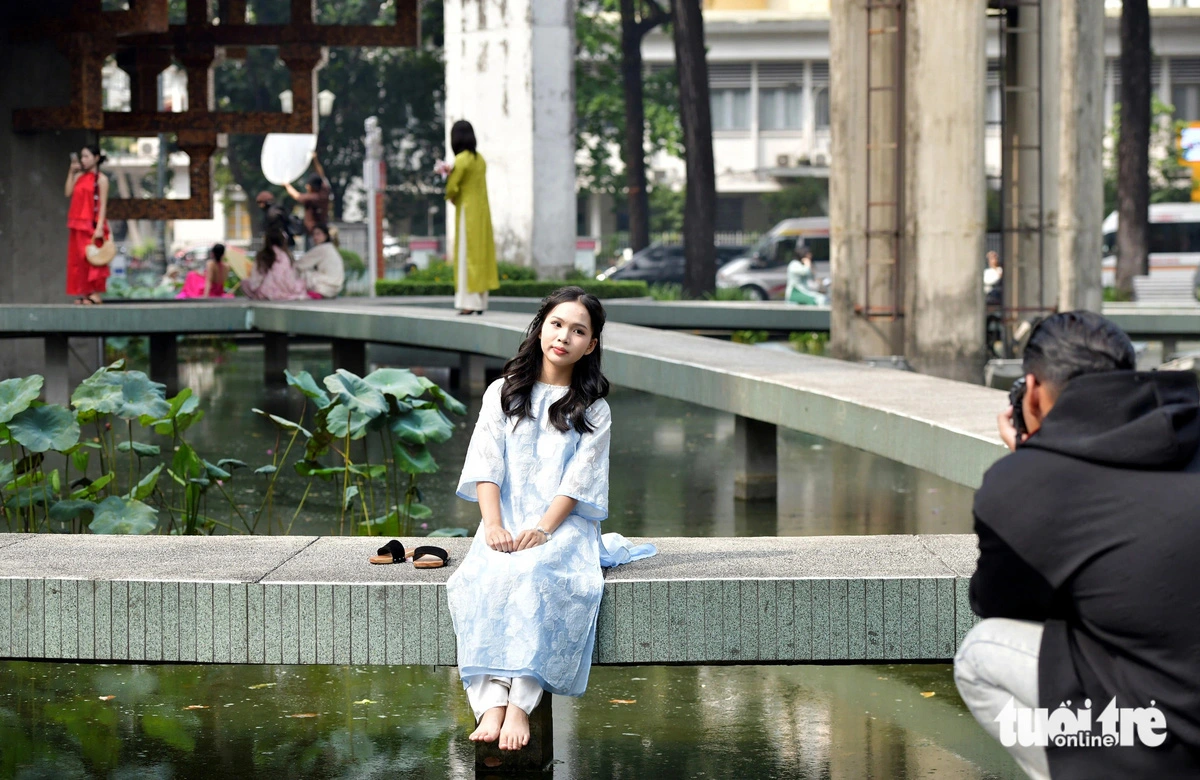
[
  {"x": 57, "y": 721},
  {"x": 672, "y": 471}
]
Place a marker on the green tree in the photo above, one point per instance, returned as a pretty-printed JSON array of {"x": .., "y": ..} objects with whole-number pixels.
[
  {"x": 600, "y": 107},
  {"x": 1170, "y": 179},
  {"x": 404, "y": 88},
  {"x": 806, "y": 197}
]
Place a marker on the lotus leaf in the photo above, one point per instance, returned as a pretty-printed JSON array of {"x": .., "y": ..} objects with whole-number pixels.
[
  {"x": 286, "y": 425},
  {"x": 348, "y": 497},
  {"x": 419, "y": 511},
  {"x": 342, "y": 420},
  {"x": 307, "y": 468},
  {"x": 268, "y": 469},
  {"x": 451, "y": 403},
  {"x": 139, "y": 448},
  {"x": 307, "y": 386},
  {"x": 400, "y": 383},
  {"x": 414, "y": 460},
  {"x": 45, "y": 428},
  {"x": 355, "y": 394},
  {"x": 17, "y": 394},
  {"x": 215, "y": 472},
  {"x": 231, "y": 464},
  {"x": 448, "y": 532},
  {"x": 38, "y": 495},
  {"x": 145, "y": 486},
  {"x": 422, "y": 425},
  {"x": 116, "y": 515},
  {"x": 68, "y": 509},
  {"x": 140, "y": 397}
]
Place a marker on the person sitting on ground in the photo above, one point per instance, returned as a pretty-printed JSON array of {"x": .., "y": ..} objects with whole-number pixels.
[
  {"x": 800, "y": 278},
  {"x": 321, "y": 267},
  {"x": 274, "y": 278},
  {"x": 1089, "y": 562},
  {"x": 993, "y": 280},
  {"x": 275, "y": 219},
  {"x": 210, "y": 284}
]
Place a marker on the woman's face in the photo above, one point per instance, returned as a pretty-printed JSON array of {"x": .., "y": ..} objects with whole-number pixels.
[
  {"x": 319, "y": 236},
  {"x": 567, "y": 334},
  {"x": 87, "y": 159}
]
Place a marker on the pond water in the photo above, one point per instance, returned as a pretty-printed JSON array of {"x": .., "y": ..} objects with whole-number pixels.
[
  {"x": 58, "y": 722},
  {"x": 671, "y": 475}
]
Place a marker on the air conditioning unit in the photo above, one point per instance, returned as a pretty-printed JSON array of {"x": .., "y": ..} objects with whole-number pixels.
[
  {"x": 821, "y": 159},
  {"x": 783, "y": 161},
  {"x": 147, "y": 147}
]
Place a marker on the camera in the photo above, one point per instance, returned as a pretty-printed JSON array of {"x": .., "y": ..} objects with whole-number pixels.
[{"x": 1015, "y": 397}]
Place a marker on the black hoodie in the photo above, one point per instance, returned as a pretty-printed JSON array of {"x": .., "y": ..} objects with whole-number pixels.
[{"x": 1092, "y": 527}]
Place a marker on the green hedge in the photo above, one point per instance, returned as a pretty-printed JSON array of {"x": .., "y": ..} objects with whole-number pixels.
[
  {"x": 441, "y": 271},
  {"x": 522, "y": 289}
]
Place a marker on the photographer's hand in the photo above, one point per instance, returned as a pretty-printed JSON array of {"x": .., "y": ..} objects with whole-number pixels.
[{"x": 1008, "y": 431}]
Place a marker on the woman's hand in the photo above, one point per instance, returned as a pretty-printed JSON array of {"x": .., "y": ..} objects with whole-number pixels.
[
  {"x": 76, "y": 167},
  {"x": 98, "y": 235},
  {"x": 530, "y": 537},
  {"x": 442, "y": 168},
  {"x": 498, "y": 539}
]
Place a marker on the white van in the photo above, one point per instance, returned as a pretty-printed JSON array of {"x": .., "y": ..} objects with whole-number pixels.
[{"x": 1174, "y": 241}]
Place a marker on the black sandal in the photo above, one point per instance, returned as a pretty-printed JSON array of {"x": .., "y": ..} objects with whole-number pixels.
[
  {"x": 392, "y": 552},
  {"x": 440, "y": 556}
]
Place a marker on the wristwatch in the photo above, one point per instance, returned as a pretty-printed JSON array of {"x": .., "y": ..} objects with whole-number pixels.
[{"x": 545, "y": 533}]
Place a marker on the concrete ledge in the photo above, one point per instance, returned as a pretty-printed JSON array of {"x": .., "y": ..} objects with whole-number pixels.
[{"x": 316, "y": 600}]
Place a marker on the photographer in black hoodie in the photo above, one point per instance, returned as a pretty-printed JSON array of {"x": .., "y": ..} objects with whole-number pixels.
[{"x": 1089, "y": 556}]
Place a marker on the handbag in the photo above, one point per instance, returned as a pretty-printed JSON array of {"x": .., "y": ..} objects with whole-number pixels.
[{"x": 99, "y": 252}]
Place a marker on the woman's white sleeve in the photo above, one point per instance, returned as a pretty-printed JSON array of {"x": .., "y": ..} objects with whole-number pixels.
[
  {"x": 485, "y": 454},
  {"x": 586, "y": 476}
]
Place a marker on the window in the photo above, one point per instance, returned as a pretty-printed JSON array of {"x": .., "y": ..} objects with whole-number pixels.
[
  {"x": 1174, "y": 237},
  {"x": 992, "y": 108},
  {"x": 1186, "y": 99},
  {"x": 237, "y": 222},
  {"x": 731, "y": 109},
  {"x": 821, "y": 110},
  {"x": 780, "y": 109}
]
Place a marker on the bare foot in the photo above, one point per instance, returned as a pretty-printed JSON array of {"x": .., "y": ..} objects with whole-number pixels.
[
  {"x": 489, "y": 726},
  {"x": 515, "y": 734}
]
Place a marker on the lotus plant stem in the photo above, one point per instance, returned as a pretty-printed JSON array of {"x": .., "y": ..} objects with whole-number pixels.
[
  {"x": 297, "y": 512},
  {"x": 387, "y": 474},
  {"x": 363, "y": 503},
  {"x": 235, "y": 507},
  {"x": 345, "y": 482},
  {"x": 100, "y": 439},
  {"x": 267, "y": 499},
  {"x": 133, "y": 471},
  {"x": 406, "y": 517}
]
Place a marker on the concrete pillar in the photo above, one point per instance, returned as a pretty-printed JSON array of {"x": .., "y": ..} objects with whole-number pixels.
[
  {"x": 756, "y": 478},
  {"x": 510, "y": 72},
  {"x": 852, "y": 335},
  {"x": 472, "y": 373},
  {"x": 534, "y": 757},
  {"x": 351, "y": 355},
  {"x": 164, "y": 361},
  {"x": 1030, "y": 159},
  {"x": 56, "y": 385},
  {"x": 33, "y": 209},
  {"x": 945, "y": 218},
  {"x": 1081, "y": 176},
  {"x": 275, "y": 359}
]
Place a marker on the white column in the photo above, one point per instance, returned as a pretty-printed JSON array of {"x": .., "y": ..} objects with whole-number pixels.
[{"x": 509, "y": 71}]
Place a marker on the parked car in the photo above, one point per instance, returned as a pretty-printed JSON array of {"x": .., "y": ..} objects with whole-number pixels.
[
  {"x": 661, "y": 264},
  {"x": 762, "y": 272}
]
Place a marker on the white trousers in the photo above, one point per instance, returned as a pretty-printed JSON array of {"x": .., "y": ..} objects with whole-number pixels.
[
  {"x": 486, "y": 691},
  {"x": 462, "y": 299},
  {"x": 998, "y": 661}
]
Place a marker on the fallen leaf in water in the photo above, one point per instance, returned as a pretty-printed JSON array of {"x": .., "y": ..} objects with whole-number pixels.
[
  {"x": 303, "y": 715},
  {"x": 262, "y": 685},
  {"x": 622, "y": 701},
  {"x": 880, "y": 678},
  {"x": 927, "y": 694},
  {"x": 366, "y": 701},
  {"x": 196, "y": 707},
  {"x": 107, "y": 698}
]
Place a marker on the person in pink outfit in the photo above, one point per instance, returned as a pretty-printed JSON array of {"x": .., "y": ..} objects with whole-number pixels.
[
  {"x": 210, "y": 284},
  {"x": 274, "y": 277}
]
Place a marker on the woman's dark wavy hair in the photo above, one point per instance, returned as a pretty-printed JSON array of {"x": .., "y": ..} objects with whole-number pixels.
[
  {"x": 587, "y": 382},
  {"x": 266, "y": 256},
  {"x": 462, "y": 137}
]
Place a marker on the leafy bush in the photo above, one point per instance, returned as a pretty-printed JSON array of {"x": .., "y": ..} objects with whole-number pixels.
[
  {"x": 524, "y": 289},
  {"x": 749, "y": 336},
  {"x": 353, "y": 262},
  {"x": 442, "y": 272},
  {"x": 511, "y": 272},
  {"x": 810, "y": 342}
]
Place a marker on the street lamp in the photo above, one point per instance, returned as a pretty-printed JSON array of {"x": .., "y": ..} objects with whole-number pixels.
[
  {"x": 285, "y": 101},
  {"x": 325, "y": 100}
]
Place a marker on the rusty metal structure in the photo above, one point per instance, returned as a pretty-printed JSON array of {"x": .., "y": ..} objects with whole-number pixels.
[{"x": 145, "y": 43}]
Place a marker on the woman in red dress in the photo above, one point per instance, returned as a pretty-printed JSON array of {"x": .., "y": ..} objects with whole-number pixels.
[{"x": 88, "y": 191}]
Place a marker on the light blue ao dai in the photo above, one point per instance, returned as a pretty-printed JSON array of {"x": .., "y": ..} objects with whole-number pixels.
[{"x": 533, "y": 612}]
